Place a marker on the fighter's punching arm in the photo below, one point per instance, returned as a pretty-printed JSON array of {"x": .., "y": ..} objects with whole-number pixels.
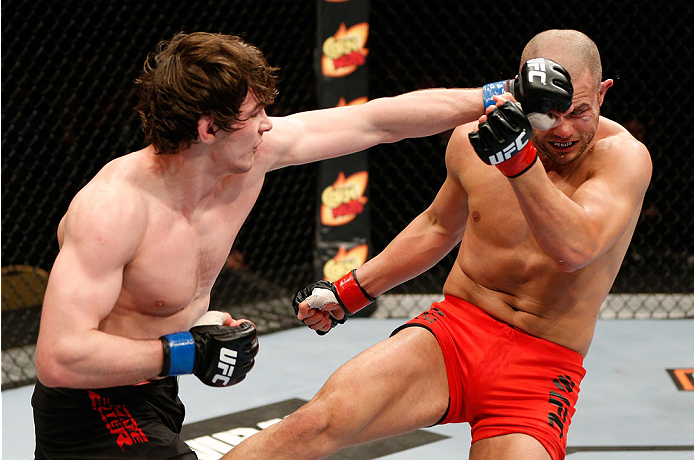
[
  {"x": 577, "y": 228},
  {"x": 424, "y": 242},
  {"x": 543, "y": 88},
  {"x": 320, "y": 134}
]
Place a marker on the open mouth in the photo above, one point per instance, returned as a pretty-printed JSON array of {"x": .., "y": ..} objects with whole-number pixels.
[{"x": 563, "y": 145}]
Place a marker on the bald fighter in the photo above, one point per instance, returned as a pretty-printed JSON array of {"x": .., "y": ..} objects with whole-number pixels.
[{"x": 544, "y": 218}]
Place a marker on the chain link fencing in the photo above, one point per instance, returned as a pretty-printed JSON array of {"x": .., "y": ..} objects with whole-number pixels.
[{"x": 67, "y": 108}]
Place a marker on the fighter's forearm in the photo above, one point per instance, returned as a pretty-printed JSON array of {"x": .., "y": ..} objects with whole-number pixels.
[
  {"x": 416, "y": 249},
  {"x": 426, "y": 112},
  {"x": 97, "y": 360},
  {"x": 560, "y": 225}
]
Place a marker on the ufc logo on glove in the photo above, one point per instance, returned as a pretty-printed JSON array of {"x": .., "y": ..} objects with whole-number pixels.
[
  {"x": 537, "y": 67},
  {"x": 510, "y": 149},
  {"x": 227, "y": 361},
  {"x": 219, "y": 355}
]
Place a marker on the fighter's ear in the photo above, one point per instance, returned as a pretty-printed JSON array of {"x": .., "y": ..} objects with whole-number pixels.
[
  {"x": 206, "y": 131},
  {"x": 604, "y": 86}
]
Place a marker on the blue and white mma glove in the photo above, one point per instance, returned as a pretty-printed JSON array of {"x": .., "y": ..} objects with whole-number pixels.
[
  {"x": 219, "y": 355},
  {"x": 542, "y": 86}
]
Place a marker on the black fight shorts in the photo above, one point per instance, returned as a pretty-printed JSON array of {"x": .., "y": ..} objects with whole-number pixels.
[{"x": 130, "y": 422}]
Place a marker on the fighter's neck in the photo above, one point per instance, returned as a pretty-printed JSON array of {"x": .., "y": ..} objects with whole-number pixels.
[{"x": 188, "y": 180}]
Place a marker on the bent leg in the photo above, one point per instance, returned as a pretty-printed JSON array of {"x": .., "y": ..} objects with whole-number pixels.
[
  {"x": 515, "y": 446},
  {"x": 394, "y": 387}
]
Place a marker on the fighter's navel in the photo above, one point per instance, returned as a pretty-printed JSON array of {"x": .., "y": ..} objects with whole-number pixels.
[{"x": 159, "y": 303}]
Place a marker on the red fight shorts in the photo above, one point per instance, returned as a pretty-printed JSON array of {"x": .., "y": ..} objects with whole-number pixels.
[{"x": 501, "y": 379}]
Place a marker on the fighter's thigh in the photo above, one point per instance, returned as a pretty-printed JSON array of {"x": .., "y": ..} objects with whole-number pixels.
[
  {"x": 394, "y": 387},
  {"x": 515, "y": 446}
]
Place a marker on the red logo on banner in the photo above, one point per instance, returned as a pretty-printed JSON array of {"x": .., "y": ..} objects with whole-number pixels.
[
  {"x": 345, "y": 261},
  {"x": 357, "y": 101},
  {"x": 344, "y": 200},
  {"x": 344, "y": 52}
]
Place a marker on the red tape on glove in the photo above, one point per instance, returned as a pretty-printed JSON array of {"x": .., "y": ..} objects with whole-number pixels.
[
  {"x": 520, "y": 162},
  {"x": 351, "y": 294}
]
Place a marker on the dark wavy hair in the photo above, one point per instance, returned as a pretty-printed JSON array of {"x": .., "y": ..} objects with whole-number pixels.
[{"x": 198, "y": 74}]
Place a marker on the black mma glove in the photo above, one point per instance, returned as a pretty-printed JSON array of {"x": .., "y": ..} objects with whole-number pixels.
[
  {"x": 503, "y": 140},
  {"x": 542, "y": 85},
  {"x": 345, "y": 292},
  {"x": 219, "y": 355}
]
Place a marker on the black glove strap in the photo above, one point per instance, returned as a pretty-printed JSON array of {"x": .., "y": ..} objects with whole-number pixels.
[{"x": 167, "y": 357}]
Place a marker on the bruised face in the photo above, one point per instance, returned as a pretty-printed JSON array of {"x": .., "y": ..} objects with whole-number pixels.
[{"x": 574, "y": 130}]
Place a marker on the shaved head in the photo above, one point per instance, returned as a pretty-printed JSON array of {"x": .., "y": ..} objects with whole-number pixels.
[{"x": 574, "y": 50}]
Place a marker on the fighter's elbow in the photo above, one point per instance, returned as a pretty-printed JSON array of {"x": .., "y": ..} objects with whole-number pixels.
[
  {"x": 50, "y": 370},
  {"x": 571, "y": 259},
  {"x": 579, "y": 250},
  {"x": 567, "y": 266},
  {"x": 50, "y": 374}
]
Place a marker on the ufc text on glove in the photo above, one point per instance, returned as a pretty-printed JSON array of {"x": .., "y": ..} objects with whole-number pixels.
[{"x": 542, "y": 85}]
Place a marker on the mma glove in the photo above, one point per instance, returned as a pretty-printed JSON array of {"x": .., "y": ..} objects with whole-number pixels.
[
  {"x": 542, "y": 86},
  {"x": 503, "y": 140},
  {"x": 219, "y": 355},
  {"x": 345, "y": 292}
]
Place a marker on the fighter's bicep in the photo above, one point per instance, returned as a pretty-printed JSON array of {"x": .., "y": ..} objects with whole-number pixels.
[
  {"x": 613, "y": 195},
  {"x": 82, "y": 291},
  {"x": 317, "y": 135},
  {"x": 100, "y": 234},
  {"x": 450, "y": 206}
]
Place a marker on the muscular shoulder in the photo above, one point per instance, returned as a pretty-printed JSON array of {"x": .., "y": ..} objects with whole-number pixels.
[
  {"x": 108, "y": 214},
  {"x": 461, "y": 159},
  {"x": 459, "y": 147},
  {"x": 621, "y": 152}
]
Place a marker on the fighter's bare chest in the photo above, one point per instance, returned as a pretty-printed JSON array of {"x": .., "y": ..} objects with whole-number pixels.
[
  {"x": 495, "y": 212},
  {"x": 493, "y": 206},
  {"x": 180, "y": 257}
]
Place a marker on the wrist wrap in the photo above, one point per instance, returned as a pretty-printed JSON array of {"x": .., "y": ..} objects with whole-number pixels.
[
  {"x": 493, "y": 89},
  {"x": 179, "y": 354},
  {"x": 519, "y": 163},
  {"x": 351, "y": 294}
]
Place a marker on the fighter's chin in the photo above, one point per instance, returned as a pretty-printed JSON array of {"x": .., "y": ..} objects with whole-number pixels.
[
  {"x": 242, "y": 168},
  {"x": 560, "y": 156},
  {"x": 247, "y": 167}
]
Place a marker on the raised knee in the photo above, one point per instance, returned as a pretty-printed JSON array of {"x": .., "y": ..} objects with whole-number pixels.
[
  {"x": 316, "y": 427},
  {"x": 313, "y": 418}
]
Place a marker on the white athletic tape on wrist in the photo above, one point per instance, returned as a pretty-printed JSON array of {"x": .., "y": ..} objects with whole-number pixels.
[
  {"x": 211, "y": 318},
  {"x": 320, "y": 297}
]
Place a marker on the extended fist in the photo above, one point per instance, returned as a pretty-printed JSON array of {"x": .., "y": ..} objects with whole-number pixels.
[{"x": 541, "y": 87}]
